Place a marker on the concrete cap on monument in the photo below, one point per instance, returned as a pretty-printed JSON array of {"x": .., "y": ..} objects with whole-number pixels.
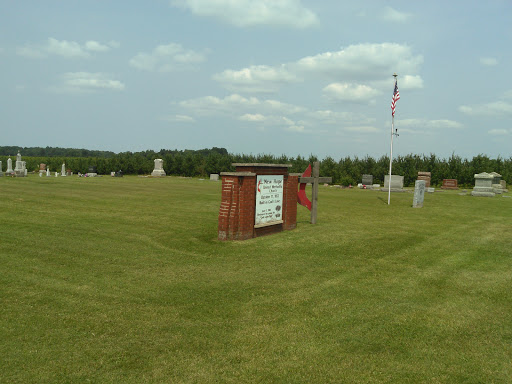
[
  {"x": 483, "y": 185},
  {"x": 419, "y": 193}
]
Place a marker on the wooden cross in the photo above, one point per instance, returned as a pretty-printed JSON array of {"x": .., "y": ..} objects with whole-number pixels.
[{"x": 315, "y": 181}]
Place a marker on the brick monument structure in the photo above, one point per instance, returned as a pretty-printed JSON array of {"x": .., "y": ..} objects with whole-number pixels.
[{"x": 257, "y": 199}]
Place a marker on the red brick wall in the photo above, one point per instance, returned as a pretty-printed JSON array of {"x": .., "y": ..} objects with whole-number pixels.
[{"x": 238, "y": 204}]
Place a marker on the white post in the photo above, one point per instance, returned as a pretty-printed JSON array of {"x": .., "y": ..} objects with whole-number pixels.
[{"x": 390, "y": 160}]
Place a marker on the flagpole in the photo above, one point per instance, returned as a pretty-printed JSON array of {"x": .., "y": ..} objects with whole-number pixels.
[
  {"x": 390, "y": 160},
  {"x": 391, "y": 152}
]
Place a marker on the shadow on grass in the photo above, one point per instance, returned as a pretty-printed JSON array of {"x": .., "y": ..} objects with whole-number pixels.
[{"x": 385, "y": 201}]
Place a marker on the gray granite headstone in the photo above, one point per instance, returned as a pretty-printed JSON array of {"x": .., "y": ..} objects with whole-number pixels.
[
  {"x": 1, "y": 173},
  {"x": 367, "y": 180},
  {"x": 397, "y": 183},
  {"x": 419, "y": 193},
  {"x": 483, "y": 185},
  {"x": 214, "y": 177}
]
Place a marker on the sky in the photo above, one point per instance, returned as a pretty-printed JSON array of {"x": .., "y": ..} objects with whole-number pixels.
[{"x": 292, "y": 77}]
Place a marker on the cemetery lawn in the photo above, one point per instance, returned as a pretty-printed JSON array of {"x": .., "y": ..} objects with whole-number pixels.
[{"x": 123, "y": 280}]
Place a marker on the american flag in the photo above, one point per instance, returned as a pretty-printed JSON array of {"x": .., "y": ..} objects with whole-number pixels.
[{"x": 396, "y": 97}]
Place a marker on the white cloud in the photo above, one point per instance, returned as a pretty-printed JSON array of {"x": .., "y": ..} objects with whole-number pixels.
[
  {"x": 264, "y": 113},
  {"x": 488, "y": 61},
  {"x": 410, "y": 82},
  {"x": 422, "y": 124},
  {"x": 80, "y": 82},
  {"x": 498, "y": 132},
  {"x": 258, "y": 78},
  {"x": 350, "y": 92},
  {"x": 363, "y": 66},
  {"x": 94, "y": 46},
  {"x": 395, "y": 16},
  {"x": 166, "y": 58},
  {"x": 363, "y": 62},
  {"x": 498, "y": 109},
  {"x": 255, "y": 117},
  {"x": 63, "y": 48},
  {"x": 247, "y": 13}
]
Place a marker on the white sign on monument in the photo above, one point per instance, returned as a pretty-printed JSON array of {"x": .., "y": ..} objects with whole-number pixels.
[{"x": 269, "y": 199}]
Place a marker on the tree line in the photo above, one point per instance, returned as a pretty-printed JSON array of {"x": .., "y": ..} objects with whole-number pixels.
[{"x": 345, "y": 171}]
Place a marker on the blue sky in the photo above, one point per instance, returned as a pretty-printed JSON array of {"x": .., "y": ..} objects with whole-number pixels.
[{"x": 270, "y": 76}]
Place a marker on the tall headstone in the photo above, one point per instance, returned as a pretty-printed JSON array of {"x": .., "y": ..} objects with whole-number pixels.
[
  {"x": 426, "y": 177},
  {"x": 9, "y": 166},
  {"x": 1, "y": 172},
  {"x": 19, "y": 169},
  {"x": 483, "y": 185},
  {"x": 502, "y": 182},
  {"x": 48, "y": 172},
  {"x": 159, "y": 168},
  {"x": 367, "y": 180},
  {"x": 419, "y": 193},
  {"x": 63, "y": 170},
  {"x": 397, "y": 183}
]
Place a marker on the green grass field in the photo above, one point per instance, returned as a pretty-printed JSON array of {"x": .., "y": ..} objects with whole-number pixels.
[{"x": 123, "y": 280}]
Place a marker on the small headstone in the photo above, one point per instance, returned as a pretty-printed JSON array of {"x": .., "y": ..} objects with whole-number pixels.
[
  {"x": 426, "y": 177},
  {"x": 431, "y": 190},
  {"x": 502, "y": 182},
  {"x": 119, "y": 174},
  {"x": 375, "y": 186},
  {"x": 159, "y": 168},
  {"x": 214, "y": 177},
  {"x": 419, "y": 193},
  {"x": 40, "y": 174},
  {"x": 397, "y": 183},
  {"x": 112, "y": 174},
  {"x": 449, "y": 184},
  {"x": 483, "y": 185},
  {"x": 56, "y": 174}
]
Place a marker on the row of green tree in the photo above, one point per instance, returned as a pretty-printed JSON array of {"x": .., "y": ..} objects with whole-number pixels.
[{"x": 345, "y": 171}]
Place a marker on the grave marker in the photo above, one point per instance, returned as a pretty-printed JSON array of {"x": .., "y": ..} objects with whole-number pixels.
[
  {"x": 449, "y": 184},
  {"x": 419, "y": 193}
]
